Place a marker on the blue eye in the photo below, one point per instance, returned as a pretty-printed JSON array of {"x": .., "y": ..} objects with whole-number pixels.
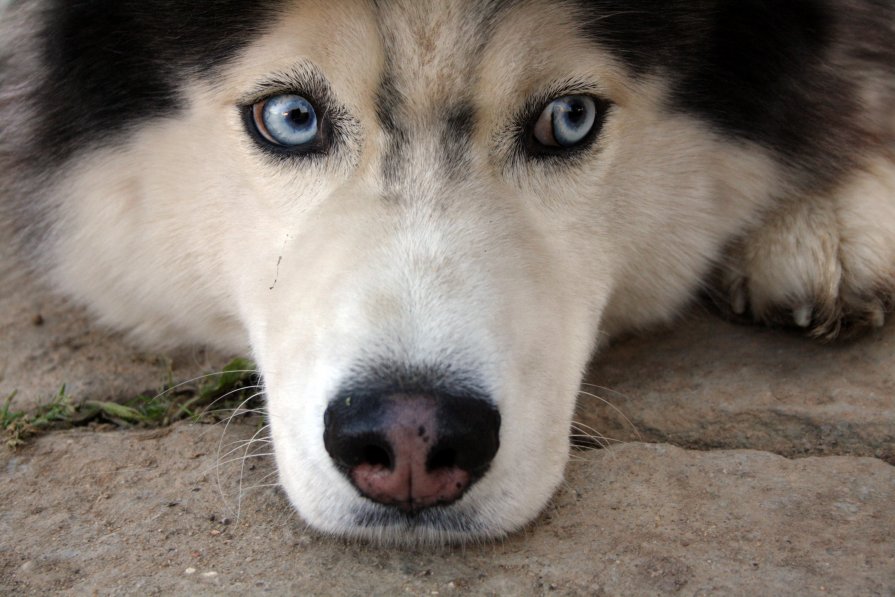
[
  {"x": 286, "y": 120},
  {"x": 566, "y": 121}
]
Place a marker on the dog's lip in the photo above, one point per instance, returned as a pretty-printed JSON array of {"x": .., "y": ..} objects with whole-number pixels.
[
  {"x": 405, "y": 512},
  {"x": 450, "y": 519}
]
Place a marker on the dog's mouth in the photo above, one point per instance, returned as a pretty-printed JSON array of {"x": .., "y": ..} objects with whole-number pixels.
[{"x": 438, "y": 523}]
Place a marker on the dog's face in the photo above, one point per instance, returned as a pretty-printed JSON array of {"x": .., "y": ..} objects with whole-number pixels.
[{"x": 423, "y": 216}]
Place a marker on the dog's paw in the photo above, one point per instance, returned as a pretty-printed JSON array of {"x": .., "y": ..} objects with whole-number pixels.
[{"x": 826, "y": 264}]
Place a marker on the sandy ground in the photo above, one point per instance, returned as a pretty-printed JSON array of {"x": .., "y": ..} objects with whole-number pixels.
[{"x": 741, "y": 460}]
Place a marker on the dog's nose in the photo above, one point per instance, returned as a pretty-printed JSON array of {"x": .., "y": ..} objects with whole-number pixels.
[{"x": 411, "y": 451}]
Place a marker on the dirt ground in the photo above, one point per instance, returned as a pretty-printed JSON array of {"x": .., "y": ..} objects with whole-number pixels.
[{"x": 741, "y": 461}]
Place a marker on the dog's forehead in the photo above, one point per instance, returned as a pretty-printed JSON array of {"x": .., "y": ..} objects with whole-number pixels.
[
  {"x": 430, "y": 53},
  {"x": 472, "y": 51},
  {"x": 433, "y": 49}
]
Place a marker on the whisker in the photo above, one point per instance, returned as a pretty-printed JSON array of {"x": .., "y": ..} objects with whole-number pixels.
[
  {"x": 270, "y": 475},
  {"x": 616, "y": 409},
  {"x": 257, "y": 394},
  {"x": 586, "y": 429},
  {"x": 581, "y": 442},
  {"x": 242, "y": 471},
  {"x": 242, "y": 458},
  {"x": 246, "y": 446},
  {"x": 239, "y": 444},
  {"x": 258, "y": 486},
  {"x": 193, "y": 380},
  {"x": 605, "y": 389},
  {"x": 576, "y": 457},
  {"x": 237, "y": 412},
  {"x": 240, "y": 409}
]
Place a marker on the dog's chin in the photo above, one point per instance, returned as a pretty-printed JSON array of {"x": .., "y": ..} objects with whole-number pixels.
[{"x": 451, "y": 525}]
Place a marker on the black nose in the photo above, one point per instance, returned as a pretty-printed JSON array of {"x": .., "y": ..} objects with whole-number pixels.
[{"x": 411, "y": 451}]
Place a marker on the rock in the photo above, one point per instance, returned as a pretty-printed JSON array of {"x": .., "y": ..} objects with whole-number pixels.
[
  {"x": 89, "y": 512},
  {"x": 635, "y": 519},
  {"x": 711, "y": 384}
]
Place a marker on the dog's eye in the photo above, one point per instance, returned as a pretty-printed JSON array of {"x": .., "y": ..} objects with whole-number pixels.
[
  {"x": 286, "y": 120},
  {"x": 565, "y": 122}
]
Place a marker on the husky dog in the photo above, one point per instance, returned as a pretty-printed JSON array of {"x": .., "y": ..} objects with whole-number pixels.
[{"x": 421, "y": 217}]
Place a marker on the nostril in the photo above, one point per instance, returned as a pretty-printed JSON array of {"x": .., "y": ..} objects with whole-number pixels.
[
  {"x": 377, "y": 456},
  {"x": 441, "y": 458}
]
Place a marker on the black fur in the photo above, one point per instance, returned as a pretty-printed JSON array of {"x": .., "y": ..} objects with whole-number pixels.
[
  {"x": 456, "y": 137},
  {"x": 759, "y": 70},
  {"x": 457, "y": 122},
  {"x": 114, "y": 63},
  {"x": 388, "y": 102}
]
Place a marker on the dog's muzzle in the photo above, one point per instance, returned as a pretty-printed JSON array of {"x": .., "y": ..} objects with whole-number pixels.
[{"x": 411, "y": 450}]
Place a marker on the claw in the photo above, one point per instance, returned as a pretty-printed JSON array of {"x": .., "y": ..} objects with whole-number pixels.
[
  {"x": 877, "y": 316},
  {"x": 801, "y": 315}
]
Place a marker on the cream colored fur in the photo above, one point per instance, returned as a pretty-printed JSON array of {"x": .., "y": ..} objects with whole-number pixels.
[{"x": 815, "y": 260}]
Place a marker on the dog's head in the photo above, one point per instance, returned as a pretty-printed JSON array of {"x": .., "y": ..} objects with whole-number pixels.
[{"x": 423, "y": 216}]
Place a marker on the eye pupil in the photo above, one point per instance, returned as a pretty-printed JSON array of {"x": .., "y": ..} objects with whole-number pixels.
[
  {"x": 576, "y": 113},
  {"x": 299, "y": 117}
]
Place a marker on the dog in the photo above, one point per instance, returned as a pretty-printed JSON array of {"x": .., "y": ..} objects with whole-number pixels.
[{"x": 423, "y": 218}]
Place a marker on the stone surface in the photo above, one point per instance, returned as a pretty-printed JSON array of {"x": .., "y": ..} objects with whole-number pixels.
[
  {"x": 144, "y": 512},
  {"x": 180, "y": 511},
  {"x": 713, "y": 384}
]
